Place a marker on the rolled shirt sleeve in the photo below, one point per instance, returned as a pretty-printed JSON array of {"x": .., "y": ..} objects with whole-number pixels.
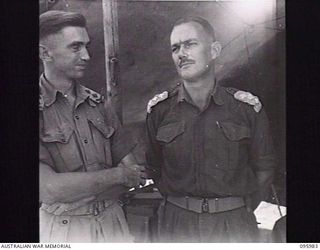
[
  {"x": 122, "y": 141},
  {"x": 262, "y": 157},
  {"x": 262, "y": 153}
]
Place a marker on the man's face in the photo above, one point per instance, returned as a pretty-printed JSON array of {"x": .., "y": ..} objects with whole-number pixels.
[
  {"x": 68, "y": 51},
  {"x": 191, "y": 50}
]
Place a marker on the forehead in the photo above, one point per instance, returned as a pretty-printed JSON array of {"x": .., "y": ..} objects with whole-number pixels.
[
  {"x": 69, "y": 35},
  {"x": 187, "y": 31}
]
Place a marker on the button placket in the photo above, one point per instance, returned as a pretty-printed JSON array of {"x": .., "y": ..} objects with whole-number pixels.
[
  {"x": 81, "y": 134},
  {"x": 78, "y": 126}
]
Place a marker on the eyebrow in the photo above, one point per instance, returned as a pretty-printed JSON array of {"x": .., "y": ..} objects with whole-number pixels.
[
  {"x": 183, "y": 42},
  {"x": 79, "y": 43}
]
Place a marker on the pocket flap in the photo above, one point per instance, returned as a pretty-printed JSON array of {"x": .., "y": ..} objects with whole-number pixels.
[
  {"x": 235, "y": 132},
  {"x": 57, "y": 135},
  {"x": 170, "y": 131},
  {"x": 99, "y": 124}
]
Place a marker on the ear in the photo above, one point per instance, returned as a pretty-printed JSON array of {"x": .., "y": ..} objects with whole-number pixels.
[
  {"x": 44, "y": 53},
  {"x": 215, "y": 49}
]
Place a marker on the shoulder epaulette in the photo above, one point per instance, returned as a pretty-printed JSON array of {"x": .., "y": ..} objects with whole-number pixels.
[
  {"x": 161, "y": 97},
  {"x": 246, "y": 97},
  {"x": 41, "y": 102},
  {"x": 156, "y": 99},
  {"x": 94, "y": 96}
]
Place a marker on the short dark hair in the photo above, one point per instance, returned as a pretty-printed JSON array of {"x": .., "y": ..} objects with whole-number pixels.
[
  {"x": 53, "y": 21},
  {"x": 203, "y": 22}
]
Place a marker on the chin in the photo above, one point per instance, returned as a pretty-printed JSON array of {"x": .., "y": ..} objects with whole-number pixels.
[
  {"x": 78, "y": 75},
  {"x": 194, "y": 76},
  {"x": 190, "y": 77}
]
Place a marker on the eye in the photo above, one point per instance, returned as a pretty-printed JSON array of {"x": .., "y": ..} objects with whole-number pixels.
[
  {"x": 75, "y": 47},
  {"x": 174, "y": 49},
  {"x": 190, "y": 44}
]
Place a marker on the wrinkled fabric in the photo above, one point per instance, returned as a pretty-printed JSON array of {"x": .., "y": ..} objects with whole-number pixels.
[
  {"x": 109, "y": 226},
  {"x": 224, "y": 150},
  {"x": 181, "y": 225},
  {"x": 85, "y": 138}
]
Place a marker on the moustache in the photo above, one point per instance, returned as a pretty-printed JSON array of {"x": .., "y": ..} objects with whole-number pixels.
[{"x": 185, "y": 61}]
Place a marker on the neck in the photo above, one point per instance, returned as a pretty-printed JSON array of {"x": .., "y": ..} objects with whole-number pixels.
[
  {"x": 61, "y": 83},
  {"x": 200, "y": 90},
  {"x": 201, "y": 85}
]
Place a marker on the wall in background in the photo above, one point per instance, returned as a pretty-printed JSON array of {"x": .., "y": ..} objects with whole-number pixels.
[
  {"x": 252, "y": 59},
  {"x": 95, "y": 77}
]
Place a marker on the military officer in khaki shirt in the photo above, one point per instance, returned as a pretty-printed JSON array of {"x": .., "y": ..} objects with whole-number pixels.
[
  {"x": 85, "y": 159},
  {"x": 210, "y": 149}
]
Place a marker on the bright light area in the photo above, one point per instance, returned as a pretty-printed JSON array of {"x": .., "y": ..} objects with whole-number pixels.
[{"x": 253, "y": 11}]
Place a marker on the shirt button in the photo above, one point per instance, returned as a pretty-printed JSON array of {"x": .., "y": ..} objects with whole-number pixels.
[
  {"x": 77, "y": 117},
  {"x": 65, "y": 222},
  {"x": 85, "y": 141}
]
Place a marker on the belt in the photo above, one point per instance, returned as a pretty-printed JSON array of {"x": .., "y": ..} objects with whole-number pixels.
[
  {"x": 93, "y": 208},
  {"x": 207, "y": 205}
]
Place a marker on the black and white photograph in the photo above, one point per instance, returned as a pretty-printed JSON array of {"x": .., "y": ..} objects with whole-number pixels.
[{"x": 162, "y": 121}]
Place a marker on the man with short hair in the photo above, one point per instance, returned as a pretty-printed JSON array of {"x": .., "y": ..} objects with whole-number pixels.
[
  {"x": 85, "y": 159},
  {"x": 210, "y": 150}
]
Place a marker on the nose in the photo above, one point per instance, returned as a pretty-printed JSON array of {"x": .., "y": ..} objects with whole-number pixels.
[
  {"x": 85, "y": 55},
  {"x": 182, "y": 53}
]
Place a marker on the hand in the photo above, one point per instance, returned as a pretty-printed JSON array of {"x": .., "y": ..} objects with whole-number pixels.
[
  {"x": 132, "y": 175},
  {"x": 112, "y": 193},
  {"x": 252, "y": 202}
]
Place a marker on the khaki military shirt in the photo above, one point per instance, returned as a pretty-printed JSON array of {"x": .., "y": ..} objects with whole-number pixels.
[
  {"x": 86, "y": 137},
  {"x": 216, "y": 152}
]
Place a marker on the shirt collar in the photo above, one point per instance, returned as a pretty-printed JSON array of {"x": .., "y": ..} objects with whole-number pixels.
[
  {"x": 217, "y": 94},
  {"x": 82, "y": 93},
  {"x": 49, "y": 93},
  {"x": 183, "y": 94}
]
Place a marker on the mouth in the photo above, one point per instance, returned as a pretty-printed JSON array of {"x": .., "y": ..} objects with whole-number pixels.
[
  {"x": 81, "y": 66},
  {"x": 185, "y": 64}
]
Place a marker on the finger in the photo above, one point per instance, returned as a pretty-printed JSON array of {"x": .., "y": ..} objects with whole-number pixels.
[
  {"x": 139, "y": 167},
  {"x": 143, "y": 175},
  {"x": 143, "y": 168},
  {"x": 136, "y": 183},
  {"x": 142, "y": 182}
]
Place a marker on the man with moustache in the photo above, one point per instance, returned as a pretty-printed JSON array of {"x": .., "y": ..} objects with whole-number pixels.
[
  {"x": 85, "y": 160},
  {"x": 210, "y": 150}
]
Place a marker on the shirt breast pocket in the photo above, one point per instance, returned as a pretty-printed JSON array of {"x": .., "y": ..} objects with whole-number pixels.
[
  {"x": 102, "y": 127},
  {"x": 170, "y": 138},
  {"x": 57, "y": 135},
  {"x": 101, "y": 135},
  {"x": 236, "y": 138},
  {"x": 168, "y": 133},
  {"x": 62, "y": 147}
]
